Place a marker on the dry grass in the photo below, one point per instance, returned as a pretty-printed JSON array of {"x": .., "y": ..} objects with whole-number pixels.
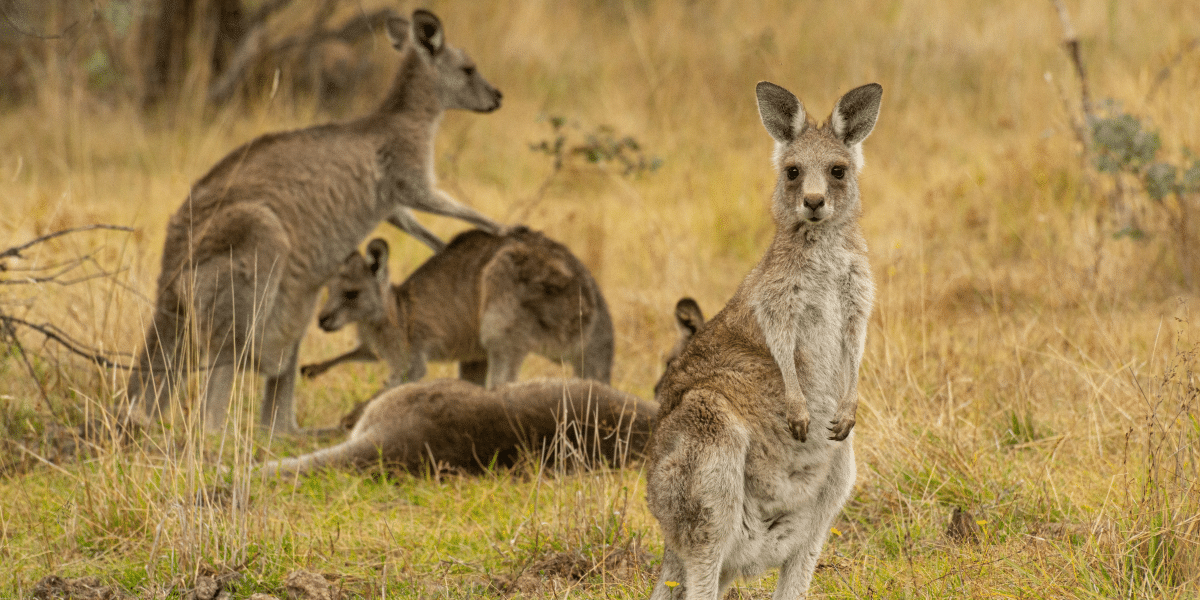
[{"x": 1021, "y": 364}]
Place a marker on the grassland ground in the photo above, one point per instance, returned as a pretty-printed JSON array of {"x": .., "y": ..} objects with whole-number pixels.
[{"x": 1023, "y": 363}]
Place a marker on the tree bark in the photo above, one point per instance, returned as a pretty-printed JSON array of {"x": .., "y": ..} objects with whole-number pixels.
[{"x": 170, "y": 40}]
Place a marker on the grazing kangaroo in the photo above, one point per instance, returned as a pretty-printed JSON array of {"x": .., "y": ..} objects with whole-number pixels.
[
  {"x": 736, "y": 480},
  {"x": 247, "y": 253},
  {"x": 486, "y": 301},
  {"x": 449, "y": 422}
]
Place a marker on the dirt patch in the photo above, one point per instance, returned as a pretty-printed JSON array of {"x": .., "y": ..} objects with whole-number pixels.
[
  {"x": 53, "y": 587},
  {"x": 554, "y": 572},
  {"x": 305, "y": 585},
  {"x": 214, "y": 587}
]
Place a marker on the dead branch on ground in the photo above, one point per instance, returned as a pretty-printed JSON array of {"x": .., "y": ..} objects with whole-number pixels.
[{"x": 54, "y": 272}]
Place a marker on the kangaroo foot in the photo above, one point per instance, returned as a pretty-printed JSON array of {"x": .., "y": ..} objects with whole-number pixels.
[{"x": 311, "y": 371}]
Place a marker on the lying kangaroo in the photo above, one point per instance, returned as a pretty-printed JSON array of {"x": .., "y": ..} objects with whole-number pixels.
[
  {"x": 735, "y": 479},
  {"x": 486, "y": 301},
  {"x": 257, "y": 237},
  {"x": 453, "y": 423}
]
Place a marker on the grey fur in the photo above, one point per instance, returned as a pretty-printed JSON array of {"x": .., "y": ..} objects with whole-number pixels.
[
  {"x": 448, "y": 422},
  {"x": 257, "y": 237},
  {"x": 735, "y": 479},
  {"x": 485, "y": 301}
]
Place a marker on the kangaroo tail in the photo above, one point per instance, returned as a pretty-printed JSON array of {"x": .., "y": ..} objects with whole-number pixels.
[{"x": 354, "y": 451}]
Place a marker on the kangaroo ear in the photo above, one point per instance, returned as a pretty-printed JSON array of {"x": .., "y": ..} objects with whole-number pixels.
[
  {"x": 688, "y": 317},
  {"x": 428, "y": 30},
  {"x": 854, "y": 117},
  {"x": 377, "y": 250},
  {"x": 781, "y": 113},
  {"x": 397, "y": 31}
]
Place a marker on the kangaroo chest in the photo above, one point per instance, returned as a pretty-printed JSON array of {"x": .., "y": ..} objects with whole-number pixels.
[{"x": 801, "y": 304}]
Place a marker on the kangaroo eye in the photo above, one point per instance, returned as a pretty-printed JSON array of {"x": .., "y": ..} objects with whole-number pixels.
[
  {"x": 469, "y": 71},
  {"x": 838, "y": 172},
  {"x": 792, "y": 173},
  {"x": 351, "y": 295}
]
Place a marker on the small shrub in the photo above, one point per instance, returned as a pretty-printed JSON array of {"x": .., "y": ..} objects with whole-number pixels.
[
  {"x": 601, "y": 146},
  {"x": 1127, "y": 149}
]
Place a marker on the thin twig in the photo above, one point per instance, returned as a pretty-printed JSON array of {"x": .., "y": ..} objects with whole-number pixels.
[
  {"x": 42, "y": 459},
  {"x": 1071, "y": 43},
  {"x": 62, "y": 338},
  {"x": 11, "y": 333},
  {"x": 13, "y": 23},
  {"x": 1165, "y": 72},
  {"x": 74, "y": 262},
  {"x": 54, "y": 278},
  {"x": 15, "y": 251}
]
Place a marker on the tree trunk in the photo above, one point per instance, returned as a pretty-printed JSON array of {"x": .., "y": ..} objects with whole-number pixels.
[{"x": 170, "y": 39}]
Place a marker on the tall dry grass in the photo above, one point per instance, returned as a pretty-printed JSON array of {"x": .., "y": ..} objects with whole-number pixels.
[{"x": 1021, "y": 363}]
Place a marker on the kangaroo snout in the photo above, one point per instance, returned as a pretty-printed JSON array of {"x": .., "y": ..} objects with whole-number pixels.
[
  {"x": 814, "y": 208},
  {"x": 496, "y": 97},
  {"x": 328, "y": 322}
]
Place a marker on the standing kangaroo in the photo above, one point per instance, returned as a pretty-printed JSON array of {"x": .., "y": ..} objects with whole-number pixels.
[
  {"x": 736, "y": 480},
  {"x": 257, "y": 237},
  {"x": 461, "y": 425},
  {"x": 486, "y": 301}
]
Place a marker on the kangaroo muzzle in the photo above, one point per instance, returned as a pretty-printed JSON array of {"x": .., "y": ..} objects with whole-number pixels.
[
  {"x": 329, "y": 322},
  {"x": 814, "y": 209},
  {"x": 496, "y": 96}
]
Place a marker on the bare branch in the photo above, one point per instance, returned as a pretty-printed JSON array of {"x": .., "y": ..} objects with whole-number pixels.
[
  {"x": 43, "y": 268},
  {"x": 62, "y": 269},
  {"x": 1071, "y": 43},
  {"x": 23, "y": 31},
  {"x": 10, "y": 332},
  {"x": 64, "y": 282},
  {"x": 58, "y": 335},
  {"x": 1165, "y": 72},
  {"x": 15, "y": 251}
]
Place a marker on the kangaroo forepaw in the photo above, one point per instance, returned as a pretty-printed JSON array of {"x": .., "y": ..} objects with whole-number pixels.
[
  {"x": 798, "y": 424},
  {"x": 310, "y": 371},
  {"x": 840, "y": 429}
]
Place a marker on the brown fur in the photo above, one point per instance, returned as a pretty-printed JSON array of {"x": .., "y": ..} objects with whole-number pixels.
[
  {"x": 453, "y": 423},
  {"x": 485, "y": 301},
  {"x": 735, "y": 479},
  {"x": 268, "y": 225}
]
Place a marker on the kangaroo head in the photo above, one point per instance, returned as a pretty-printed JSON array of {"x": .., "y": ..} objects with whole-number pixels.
[
  {"x": 459, "y": 84},
  {"x": 818, "y": 165},
  {"x": 358, "y": 292},
  {"x": 688, "y": 320}
]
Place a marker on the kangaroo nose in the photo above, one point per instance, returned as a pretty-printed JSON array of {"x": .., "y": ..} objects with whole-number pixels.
[
  {"x": 326, "y": 322},
  {"x": 814, "y": 203}
]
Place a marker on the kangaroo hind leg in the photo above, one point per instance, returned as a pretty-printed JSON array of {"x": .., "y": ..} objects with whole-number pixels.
[
  {"x": 160, "y": 365},
  {"x": 241, "y": 259}
]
